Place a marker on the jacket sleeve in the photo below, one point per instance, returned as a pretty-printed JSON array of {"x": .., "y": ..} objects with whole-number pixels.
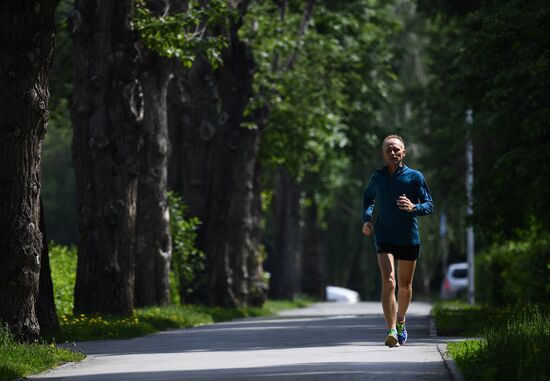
[
  {"x": 425, "y": 205},
  {"x": 368, "y": 199}
]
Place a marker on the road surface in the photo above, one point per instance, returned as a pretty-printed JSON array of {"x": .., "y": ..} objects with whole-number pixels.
[{"x": 326, "y": 341}]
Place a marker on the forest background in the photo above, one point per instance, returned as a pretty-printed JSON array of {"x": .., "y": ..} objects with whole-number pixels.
[{"x": 265, "y": 118}]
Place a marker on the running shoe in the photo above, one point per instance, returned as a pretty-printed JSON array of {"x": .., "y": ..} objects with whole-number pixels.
[
  {"x": 391, "y": 338},
  {"x": 401, "y": 333}
]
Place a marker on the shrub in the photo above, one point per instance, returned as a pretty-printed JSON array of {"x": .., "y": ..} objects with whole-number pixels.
[
  {"x": 517, "y": 271},
  {"x": 188, "y": 263}
]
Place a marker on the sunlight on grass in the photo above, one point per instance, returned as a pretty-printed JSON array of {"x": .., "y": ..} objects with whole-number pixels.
[
  {"x": 20, "y": 360},
  {"x": 513, "y": 342}
]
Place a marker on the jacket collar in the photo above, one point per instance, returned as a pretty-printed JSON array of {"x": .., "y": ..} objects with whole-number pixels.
[{"x": 398, "y": 171}]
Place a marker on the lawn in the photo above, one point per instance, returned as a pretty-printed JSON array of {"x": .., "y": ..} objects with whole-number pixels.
[{"x": 509, "y": 343}]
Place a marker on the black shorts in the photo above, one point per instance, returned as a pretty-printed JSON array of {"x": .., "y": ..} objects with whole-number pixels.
[{"x": 402, "y": 252}]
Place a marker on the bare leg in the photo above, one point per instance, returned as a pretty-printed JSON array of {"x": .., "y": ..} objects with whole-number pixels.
[
  {"x": 387, "y": 273},
  {"x": 405, "y": 275}
]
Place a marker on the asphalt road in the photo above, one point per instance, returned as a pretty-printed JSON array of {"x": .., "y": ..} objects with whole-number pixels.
[{"x": 326, "y": 341}]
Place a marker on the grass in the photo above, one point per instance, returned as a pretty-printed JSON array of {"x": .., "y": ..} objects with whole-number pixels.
[
  {"x": 149, "y": 320},
  {"x": 512, "y": 343},
  {"x": 20, "y": 360}
]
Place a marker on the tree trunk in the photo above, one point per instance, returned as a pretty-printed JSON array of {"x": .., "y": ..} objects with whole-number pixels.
[
  {"x": 284, "y": 260},
  {"x": 257, "y": 283},
  {"x": 26, "y": 49},
  {"x": 219, "y": 166},
  {"x": 106, "y": 112},
  {"x": 313, "y": 263},
  {"x": 176, "y": 123},
  {"x": 45, "y": 305},
  {"x": 153, "y": 247}
]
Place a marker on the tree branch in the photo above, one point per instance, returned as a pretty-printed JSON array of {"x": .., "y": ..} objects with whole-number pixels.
[{"x": 308, "y": 14}]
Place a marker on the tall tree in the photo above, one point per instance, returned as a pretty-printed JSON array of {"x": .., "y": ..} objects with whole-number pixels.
[
  {"x": 285, "y": 257},
  {"x": 153, "y": 242},
  {"x": 26, "y": 50},
  {"x": 323, "y": 119},
  {"x": 287, "y": 23},
  {"x": 106, "y": 112},
  {"x": 218, "y": 164}
]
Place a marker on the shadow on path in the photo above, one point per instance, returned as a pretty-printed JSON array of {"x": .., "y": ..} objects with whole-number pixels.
[
  {"x": 302, "y": 372},
  {"x": 324, "y": 342},
  {"x": 280, "y": 333}
]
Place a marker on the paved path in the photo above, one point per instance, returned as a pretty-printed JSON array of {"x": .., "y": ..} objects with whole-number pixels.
[{"x": 323, "y": 342}]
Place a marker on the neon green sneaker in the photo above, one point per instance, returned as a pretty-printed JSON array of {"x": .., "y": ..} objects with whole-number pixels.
[
  {"x": 391, "y": 338},
  {"x": 401, "y": 333}
]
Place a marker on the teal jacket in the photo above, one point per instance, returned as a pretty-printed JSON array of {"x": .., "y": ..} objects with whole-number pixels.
[{"x": 392, "y": 224}]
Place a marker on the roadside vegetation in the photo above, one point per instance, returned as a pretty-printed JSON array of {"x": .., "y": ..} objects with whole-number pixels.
[
  {"x": 20, "y": 360},
  {"x": 508, "y": 343}
]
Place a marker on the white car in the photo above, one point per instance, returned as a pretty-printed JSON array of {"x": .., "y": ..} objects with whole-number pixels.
[
  {"x": 342, "y": 295},
  {"x": 455, "y": 283}
]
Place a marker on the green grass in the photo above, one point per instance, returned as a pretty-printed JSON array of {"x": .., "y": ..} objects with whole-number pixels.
[
  {"x": 512, "y": 343},
  {"x": 149, "y": 320},
  {"x": 20, "y": 360},
  {"x": 63, "y": 269}
]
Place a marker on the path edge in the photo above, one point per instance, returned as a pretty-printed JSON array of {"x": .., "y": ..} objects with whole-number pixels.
[{"x": 450, "y": 364}]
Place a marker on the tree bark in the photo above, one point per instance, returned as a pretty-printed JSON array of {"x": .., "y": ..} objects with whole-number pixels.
[
  {"x": 153, "y": 243},
  {"x": 45, "y": 305},
  {"x": 106, "y": 113},
  {"x": 313, "y": 263},
  {"x": 257, "y": 283},
  {"x": 284, "y": 260},
  {"x": 219, "y": 167},
  {"x": 26, "y": 49}
]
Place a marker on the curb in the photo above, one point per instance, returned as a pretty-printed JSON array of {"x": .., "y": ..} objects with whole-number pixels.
[{"x": 450, "y": 364}]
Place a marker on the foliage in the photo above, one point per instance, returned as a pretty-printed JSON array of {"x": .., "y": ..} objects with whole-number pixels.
[
  {"x": 514, "y": 346},
  {"x": 324, "y": 90},
  {"x": 182, "y": 35},
  {"x": 516, "y": 271},
  {"x": 188, "y": 262},
  {"x": 21, "y": 360},
  {"x": 493, "y": 57}
]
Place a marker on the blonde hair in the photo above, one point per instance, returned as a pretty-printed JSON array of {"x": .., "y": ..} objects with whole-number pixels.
[{"x": 393, "y": 136}]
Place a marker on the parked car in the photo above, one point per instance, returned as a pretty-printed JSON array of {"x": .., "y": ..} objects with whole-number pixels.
[
  {"x": 455, "y": 283},
  {"x": 342, "y": 295}
]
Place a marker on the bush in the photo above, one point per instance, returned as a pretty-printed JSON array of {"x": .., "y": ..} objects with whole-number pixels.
[
  {"x": 516, "y": 272},
  {"x": 188, "y": 263}
]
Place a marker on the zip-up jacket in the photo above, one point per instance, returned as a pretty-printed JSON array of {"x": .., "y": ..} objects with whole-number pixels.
[{"x": 393, "y": 225}]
